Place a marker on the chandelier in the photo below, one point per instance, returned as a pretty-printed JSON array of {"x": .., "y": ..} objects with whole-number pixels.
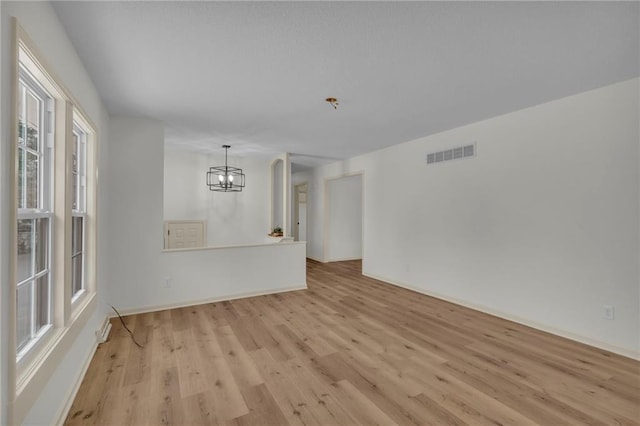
[{"x": 225, "y": 178}]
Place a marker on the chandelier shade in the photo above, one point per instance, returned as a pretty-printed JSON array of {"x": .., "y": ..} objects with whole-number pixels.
[{"x": 225, "y": 178}]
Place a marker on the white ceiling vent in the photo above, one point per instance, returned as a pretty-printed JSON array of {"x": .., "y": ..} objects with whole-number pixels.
[{"x": 452, "y": 154}]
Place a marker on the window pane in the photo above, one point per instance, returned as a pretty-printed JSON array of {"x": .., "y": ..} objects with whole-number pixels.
[
  {"x": 33, "y": 121},
  {"x": 74, "y": 184},
  {"x": 21, "y": 179},
  {"x": 77, "y": 231},
  {"x": 21, "y": 118},
  {"x": 74, "y": 171},
  {"x": 31, "y": 178},
  {"x": 76, "y": 235},
  {"x": 42, "y": 302},
  {"x": 77, "y": 281},
  {"x": 34, "y": 182},
  {"x": 23, "y": 313},
  {"x": 25, "y": 249},
  {"x": 42, "y": 244}
]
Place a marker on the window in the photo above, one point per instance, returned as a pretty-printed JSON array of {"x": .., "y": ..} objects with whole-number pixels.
[
  {"x": 78, "y": 212},
  {"x": 54, "y": 146},
  {"x": 55, "y": 231},
  {"x": 34, "y": 188}
]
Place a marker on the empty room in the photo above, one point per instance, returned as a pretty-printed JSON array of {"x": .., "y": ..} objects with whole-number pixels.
[{"x": 319, "y": 213}]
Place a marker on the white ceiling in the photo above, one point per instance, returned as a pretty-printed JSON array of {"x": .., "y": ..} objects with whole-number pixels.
[{"x": 255, "y": 74}]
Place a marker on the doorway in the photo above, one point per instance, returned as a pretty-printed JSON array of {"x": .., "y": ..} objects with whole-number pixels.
[
  {"x": 343, "y": 218},
  {"x": 300, "y": 197}
]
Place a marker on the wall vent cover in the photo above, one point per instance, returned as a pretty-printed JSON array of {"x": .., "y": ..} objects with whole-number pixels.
[{"x": 465, "y": 151}]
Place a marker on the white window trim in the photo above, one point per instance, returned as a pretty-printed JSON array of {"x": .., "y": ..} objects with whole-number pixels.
[
  {"x": 81, "y": 209},
  {"x": 89, "y": 212},
  {"x": 82, "y": 162},
  {"x": 27, "y": 378},
  {"x": 45, "y": 184}
]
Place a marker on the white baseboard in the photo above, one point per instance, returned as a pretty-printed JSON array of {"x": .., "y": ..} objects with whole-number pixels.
[
  {"x": 341, "y": 259},
  {"x": 533, "y": 324},
  {"x": 155, "y": 308},
  {"x": 344, "y": 259},
  {"x": 102, "y": 334},
  {"x": 64, "y": 410}
]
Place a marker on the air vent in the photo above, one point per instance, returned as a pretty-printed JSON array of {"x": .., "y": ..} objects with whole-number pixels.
[{"x": 452, "y": 154}]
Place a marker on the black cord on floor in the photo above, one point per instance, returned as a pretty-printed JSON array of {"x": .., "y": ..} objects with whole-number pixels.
[{"x": 127, "y": 328}]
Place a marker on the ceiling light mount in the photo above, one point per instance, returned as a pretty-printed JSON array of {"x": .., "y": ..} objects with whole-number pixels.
[
  {"x": 333, "y": 102},
  {"x": 225, "y": 178}
]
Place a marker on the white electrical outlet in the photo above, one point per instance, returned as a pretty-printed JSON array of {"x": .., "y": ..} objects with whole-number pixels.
[
  {"x": 167, "y": 282},
  {"x": 609, "y": 312}
]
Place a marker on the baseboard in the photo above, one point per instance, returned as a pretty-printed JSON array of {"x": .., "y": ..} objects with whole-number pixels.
[
  {"x": 64, "y": 411},
  {"x": 102, "y": 334},
  {"x": 343, "y": 259},
  {"x": 340, "y": 259},
  {"x": 533, "y": 324},
  {"x": 155, "y": 308}
]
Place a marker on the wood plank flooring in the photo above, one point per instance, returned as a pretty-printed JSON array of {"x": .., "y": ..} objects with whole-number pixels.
[{"x": 349, "y": 350}]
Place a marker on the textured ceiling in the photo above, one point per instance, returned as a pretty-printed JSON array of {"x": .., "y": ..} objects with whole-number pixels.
[{"x": 255, "y": 74}]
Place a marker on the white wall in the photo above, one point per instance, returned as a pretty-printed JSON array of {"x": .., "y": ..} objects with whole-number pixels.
[
  {"x": 135, "y": 216},
  {"x": 211, "y": 274},
  {"x": 240, "y": 217},
  {"x": 344, "y": 218},
  {"x": 41, "y": 23},
  {"x": 140, "y": 268},
  {"x": 277, "y": 195},
  {"x": 541, "y": 227},
  {"x": 185, "y": 189},
  {"x": 232, "y": 217}
]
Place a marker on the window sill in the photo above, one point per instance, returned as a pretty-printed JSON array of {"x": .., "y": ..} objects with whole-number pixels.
[
  {"x": 34, "y": 351},
  {"x": 78, "y": 303}
]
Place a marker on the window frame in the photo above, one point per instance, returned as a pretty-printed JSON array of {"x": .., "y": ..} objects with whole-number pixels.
[
  {"x": 79, "y": 147},
  {"x": 44, "y": 197},
  {"x": 42, "y": 210},
  {"x": 90, "y": 216},
  {"x": 28, "y": 375}
]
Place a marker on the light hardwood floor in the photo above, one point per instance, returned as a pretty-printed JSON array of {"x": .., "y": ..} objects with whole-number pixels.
[{"x": 349, "y": 350}]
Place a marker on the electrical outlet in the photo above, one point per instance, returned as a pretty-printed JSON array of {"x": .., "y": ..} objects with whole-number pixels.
[
  {"x": 167, "y": 282},
  {"x": 608, "y": 312}
]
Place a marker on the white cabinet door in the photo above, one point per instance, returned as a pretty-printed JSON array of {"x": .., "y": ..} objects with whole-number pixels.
[{"x": 186, "y": 234}]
